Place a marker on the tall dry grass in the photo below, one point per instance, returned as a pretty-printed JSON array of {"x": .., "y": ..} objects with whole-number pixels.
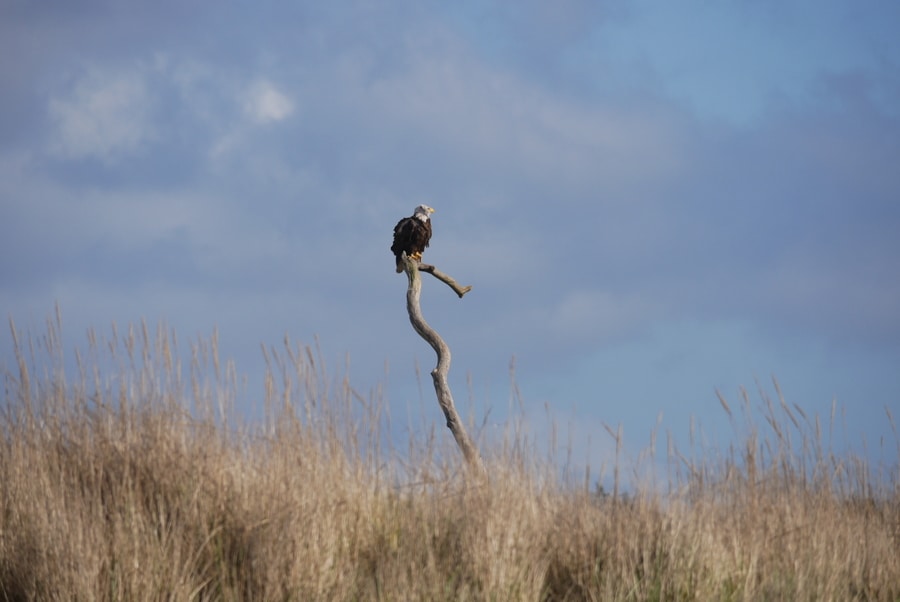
[{"x": 132, "y": 479}]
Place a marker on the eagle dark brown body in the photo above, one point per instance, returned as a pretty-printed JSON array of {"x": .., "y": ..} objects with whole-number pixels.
[{"x": 412, "y": 235}]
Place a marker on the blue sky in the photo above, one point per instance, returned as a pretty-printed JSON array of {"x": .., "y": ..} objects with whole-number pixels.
[{"x": 652, "y": 200}]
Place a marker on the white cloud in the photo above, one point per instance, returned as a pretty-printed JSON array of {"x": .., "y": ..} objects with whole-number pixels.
[
  {"x": 266, "y": 104},
  {"x": 103, "y": 115},
  {"x": 262, "y": 103}
]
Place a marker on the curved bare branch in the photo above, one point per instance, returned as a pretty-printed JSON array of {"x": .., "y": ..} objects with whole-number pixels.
[{"x": 439, "y": 374}]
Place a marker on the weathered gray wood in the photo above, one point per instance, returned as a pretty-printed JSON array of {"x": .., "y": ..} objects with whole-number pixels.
[
  {"x": 439, "y": 374},
  {"x": 459, "y": 290}
]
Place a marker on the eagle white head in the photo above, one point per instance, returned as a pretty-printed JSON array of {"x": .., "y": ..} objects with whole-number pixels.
[{"x": 422, "y": 212}]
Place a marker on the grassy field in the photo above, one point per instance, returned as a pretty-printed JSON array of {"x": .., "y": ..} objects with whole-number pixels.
[{"x": 132, "y": 479}]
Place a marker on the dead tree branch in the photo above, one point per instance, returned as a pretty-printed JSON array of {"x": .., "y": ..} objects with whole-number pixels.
[
  {"x": 439, "y": 374},
  {"x": 459, "y": 290}
]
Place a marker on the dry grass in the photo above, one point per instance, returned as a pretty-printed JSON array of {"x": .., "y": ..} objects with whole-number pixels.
[{"x": 131, "y": 481}]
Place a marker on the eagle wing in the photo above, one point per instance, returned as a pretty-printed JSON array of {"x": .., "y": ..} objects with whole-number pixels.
[{"x": 411, "y": 235}]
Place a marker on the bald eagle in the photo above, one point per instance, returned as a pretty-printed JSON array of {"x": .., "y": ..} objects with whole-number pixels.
[{"x": 412, "y": 234}]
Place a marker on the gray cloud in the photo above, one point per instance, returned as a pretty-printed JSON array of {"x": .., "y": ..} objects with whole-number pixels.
[{"x": 248, "y": 172}]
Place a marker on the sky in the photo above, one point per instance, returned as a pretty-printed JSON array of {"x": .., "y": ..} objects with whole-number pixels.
[{"x": 652, "y": 201}]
